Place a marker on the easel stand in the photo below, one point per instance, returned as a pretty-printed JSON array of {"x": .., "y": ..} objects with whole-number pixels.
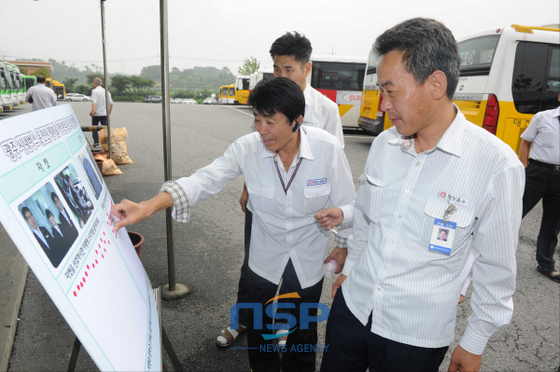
[{"x": 164, "y": 341}]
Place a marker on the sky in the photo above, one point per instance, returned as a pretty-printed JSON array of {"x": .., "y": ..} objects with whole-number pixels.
[{"x": 222, "y": 33}]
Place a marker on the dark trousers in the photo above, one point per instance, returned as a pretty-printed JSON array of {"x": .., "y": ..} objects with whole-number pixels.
[
  {"x": 543, "y": 182},
  {"x": 243, "y": 289},
  {"x": 262, "y": 356},
  {"x": 353, "y": 347},
  {"x": 95, "y": 120}
]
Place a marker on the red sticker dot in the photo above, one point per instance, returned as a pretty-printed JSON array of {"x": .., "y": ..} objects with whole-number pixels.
[
  {"x": 87, "y": 267},
  {"x": 75, "y": 295},
  {"x": 87, "y": 274},
  {"x": 93, "y": 265},
  {"x": 96, "y": 262},
  {"x": 82, "y": 285},
  {"x": 84, "y": 280},
  {"x": 104, "y": 250},
  {"x": 103, "y": 232},
  {"x": 109, "y": 242},
  {"x": 102, "y": 255},
  {"x": 78, "y": 287}
]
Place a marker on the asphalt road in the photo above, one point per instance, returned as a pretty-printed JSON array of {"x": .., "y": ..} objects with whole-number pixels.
[{"x": 209, "y": 254}]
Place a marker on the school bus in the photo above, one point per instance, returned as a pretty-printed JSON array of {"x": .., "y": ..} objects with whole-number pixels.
[
  {"x": 5, "y": 89},
  {"x": 241, "y": 90},
  {"x": 341, "y": 80},
  {"x": 507, "y": 75},
  {"x": 58, "y": 89}
]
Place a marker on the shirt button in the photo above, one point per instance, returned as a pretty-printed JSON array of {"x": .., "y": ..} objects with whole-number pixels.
[
  {"x": 378, "y": 288},
  {"x": 417, "y": 163},
  {"x": 288, "y": 221},
  {"x": 385, "y": 266},
  {"x": 392, "y": 242},
  {"x": 399, "y": 216},
  {"x": 290, "y": 249},
  {"x": 407, "y": 191},
  {"x": 289, "y": 206}
]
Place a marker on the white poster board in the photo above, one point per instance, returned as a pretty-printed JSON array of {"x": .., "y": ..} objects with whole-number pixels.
[{"x": 57, "y": 210}]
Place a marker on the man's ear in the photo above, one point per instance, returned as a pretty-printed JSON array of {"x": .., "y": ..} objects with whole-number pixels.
[
  {"x": 438, "y": 82},
  {"x": 307, "y": 68}
]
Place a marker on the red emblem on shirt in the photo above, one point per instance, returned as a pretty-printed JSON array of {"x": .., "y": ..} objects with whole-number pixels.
[{"x": 443, "y": 194}]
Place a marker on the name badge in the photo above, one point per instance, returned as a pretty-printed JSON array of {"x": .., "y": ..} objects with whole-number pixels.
[{"x": 442, "y": 237}]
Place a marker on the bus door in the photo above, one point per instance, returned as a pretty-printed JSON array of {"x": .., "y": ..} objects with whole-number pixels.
[{"x": 241, "y": 90}]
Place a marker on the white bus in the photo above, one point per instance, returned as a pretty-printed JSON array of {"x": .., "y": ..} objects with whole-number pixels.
[{"x": 341, "y": 80}]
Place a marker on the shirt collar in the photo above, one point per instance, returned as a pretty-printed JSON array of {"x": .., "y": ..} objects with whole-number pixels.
[
  {"x": 304, "y": 147},
  {"x": 450, "y": 142}
]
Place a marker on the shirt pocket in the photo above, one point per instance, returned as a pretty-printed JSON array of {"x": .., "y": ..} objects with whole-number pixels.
[
  {"x": 261, "y": 197},
  {"x": 369, "y": 198},
  {"x": 316, "y": 198},
  {"x": 463, "y": 216}
]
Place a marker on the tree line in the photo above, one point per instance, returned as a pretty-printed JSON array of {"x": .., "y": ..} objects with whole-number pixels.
[{"x": 197, "y": 83}]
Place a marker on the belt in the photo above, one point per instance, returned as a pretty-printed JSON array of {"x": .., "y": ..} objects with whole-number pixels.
[{"x": 542, "y": 164}]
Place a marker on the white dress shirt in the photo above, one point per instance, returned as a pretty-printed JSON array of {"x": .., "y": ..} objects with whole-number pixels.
[
  {"x": 544, "y": 133},
  {"x": 411, "y": 291},
  {"x": 43, "y": 97},
  {"x": 98, "y": 97},
  {"x": 284, "y": 226},
  {"x": 321, "y": 112}
]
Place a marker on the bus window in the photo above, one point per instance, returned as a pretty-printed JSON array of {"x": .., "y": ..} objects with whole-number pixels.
[
  {"x": 477, "y": 55},
  {"x": 340, "y": 76},
  {"x": 536, "y": 77}
]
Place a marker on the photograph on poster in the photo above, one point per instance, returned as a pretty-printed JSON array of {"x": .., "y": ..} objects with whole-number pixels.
[
  {"x": 75, "y": 194},
  {"x": 92, "y": 172},
  {"x": 54, "y": 232}
]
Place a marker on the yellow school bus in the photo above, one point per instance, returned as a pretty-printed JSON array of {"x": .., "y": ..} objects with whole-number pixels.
[
  {"x": 507, "y": 75},
  {"x": 241, "y": 90}
]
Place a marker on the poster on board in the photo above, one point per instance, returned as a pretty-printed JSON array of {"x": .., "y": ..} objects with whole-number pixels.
[{"x": 56, "y": 208}]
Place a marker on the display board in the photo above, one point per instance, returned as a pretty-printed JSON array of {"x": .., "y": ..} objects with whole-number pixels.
[{"x": 56, "y": 208}]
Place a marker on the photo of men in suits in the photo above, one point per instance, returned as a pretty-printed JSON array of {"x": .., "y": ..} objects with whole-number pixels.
[{"x": 44, "y": 238}]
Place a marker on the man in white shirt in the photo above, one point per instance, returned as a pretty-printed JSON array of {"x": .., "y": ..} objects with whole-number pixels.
[
  {"x": 41, "y": 96},
  {"x": 98, "y": 107},
  {"x": 396, "y": 300},
  {"x": 296, "y": 178},
  {"x": 542, "y": 172},
  {"x": 291, "y": 54}
]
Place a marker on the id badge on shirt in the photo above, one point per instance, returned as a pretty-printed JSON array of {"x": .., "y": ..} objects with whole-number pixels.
[{"x": 443, "y": 234}]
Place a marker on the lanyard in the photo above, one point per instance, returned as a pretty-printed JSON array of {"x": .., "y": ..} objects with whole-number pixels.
[{"x": 291, "y": 178}]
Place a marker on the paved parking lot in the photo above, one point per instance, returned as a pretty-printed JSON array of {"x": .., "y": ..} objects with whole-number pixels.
[{"x": 209, "y": 254}]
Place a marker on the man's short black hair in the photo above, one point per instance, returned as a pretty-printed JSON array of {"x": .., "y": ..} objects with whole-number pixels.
[
  {"x": 292, "y": 44},
  {"x": 53, "y": 195},
  {"x": 24, "y": 210},
  {"x": 48, "y": 213},
  {"x": 427, "y": 46},
  {"x": 41, "y": 79},
  {"x": 278, "y": 95}
]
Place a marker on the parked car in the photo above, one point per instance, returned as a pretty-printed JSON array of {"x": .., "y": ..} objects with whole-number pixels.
[
  {"x": 175, "y": 100},
  {"x": 156, "y": 99},
  {"x": 210, "y": 101},
  {"x": 148, "y": 98},
  {"x": 75, "y": 97},
  {"x": 189, "y": 101}
]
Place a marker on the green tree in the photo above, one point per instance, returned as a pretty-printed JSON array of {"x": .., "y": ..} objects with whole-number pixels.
[
  {"x": 249, "y": 66},
  {"x": 42, "y": 71},
  {"x": 92, "y": 76},
  {"x": 140, "y": 85},
  {"x": 121, "y": 84},
  {"x": 69, "y": 84}
]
